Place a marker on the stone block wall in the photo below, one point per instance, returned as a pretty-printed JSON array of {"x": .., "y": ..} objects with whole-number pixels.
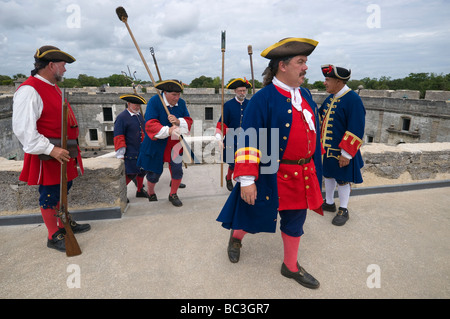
[{"x": 102, "y": 186}]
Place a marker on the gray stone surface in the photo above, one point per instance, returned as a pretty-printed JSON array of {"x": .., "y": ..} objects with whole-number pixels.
[{"x": 159, "y": 251}]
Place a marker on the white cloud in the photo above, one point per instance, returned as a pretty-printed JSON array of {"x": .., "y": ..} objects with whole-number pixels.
[{"x": 186, "y": 35}]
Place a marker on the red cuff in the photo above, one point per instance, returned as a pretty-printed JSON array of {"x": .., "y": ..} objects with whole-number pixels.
[
  {"x": 350, "y": 143},
  {"x": 119, "y": 142}
]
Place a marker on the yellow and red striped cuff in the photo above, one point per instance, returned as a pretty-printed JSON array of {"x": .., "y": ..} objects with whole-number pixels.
[
  {"x": 350, "y": 143},
  {"x": 247, "y": 155}
]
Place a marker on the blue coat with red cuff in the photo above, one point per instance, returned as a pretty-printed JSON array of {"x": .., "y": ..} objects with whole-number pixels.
[
  {"x": 343, "y": 121},
  {"x": 154, "y": 152},
  {"x": 269, "y": 116}
]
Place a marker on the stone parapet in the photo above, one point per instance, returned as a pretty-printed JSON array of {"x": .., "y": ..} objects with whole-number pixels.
[{"x": 101, "y": 187}]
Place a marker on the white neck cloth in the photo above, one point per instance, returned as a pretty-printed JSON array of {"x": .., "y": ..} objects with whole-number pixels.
[{"x": 296, "y": 99}]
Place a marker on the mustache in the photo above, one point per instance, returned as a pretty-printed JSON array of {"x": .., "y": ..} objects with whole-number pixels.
[{"x": 303, "y": 73}]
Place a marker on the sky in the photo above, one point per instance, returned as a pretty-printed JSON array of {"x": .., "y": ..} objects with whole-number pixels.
[{"x": 390, "y": 38}]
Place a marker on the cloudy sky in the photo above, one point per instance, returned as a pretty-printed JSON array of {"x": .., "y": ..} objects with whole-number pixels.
[{"x": 374, "y": 38}]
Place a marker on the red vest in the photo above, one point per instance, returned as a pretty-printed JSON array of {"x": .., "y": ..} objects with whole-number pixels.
[
  {"x": 298, "y": 187},
  {"x": 36, "y": 171}
]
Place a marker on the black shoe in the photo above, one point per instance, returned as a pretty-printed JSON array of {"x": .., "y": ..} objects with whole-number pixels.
[
  {"x": 152, "y": 198},
  {"x": 229, "y": 184},
  {"x": 57, "y": 242},
  {"x": 234, "y": 248},
  {"x": 141, "y": 193},
  {"x": 173, "y": 198},
  {"x": 329, "y": 207},
  {"x": 301, "y": 276},
  {"x": 78, "y": 228},
  {"x": 341, "y": 217}
]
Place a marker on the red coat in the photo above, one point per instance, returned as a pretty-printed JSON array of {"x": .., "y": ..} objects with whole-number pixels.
[{"x": 36, "y": 171}]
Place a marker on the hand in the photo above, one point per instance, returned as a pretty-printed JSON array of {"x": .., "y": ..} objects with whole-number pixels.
[
  {"x": 174, "y": 120},
  {"x": 248, "y": 194},
  {"x": 174, "y": 132},
  {"x": 60, "y": 154},
  {"x": 343, "y": 161}
]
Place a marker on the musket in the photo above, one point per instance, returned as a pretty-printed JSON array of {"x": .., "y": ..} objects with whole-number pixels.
[
  {"x": 250, "y": 52},
  {"x": 123, "y": 16},
  {"x": 72, "y": 247},
  {"x": 152, "y": 51},
  {"x": 223, "y": 101}
]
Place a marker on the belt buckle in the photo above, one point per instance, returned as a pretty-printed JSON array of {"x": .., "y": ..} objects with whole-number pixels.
[{"x": 301, "y": 161}]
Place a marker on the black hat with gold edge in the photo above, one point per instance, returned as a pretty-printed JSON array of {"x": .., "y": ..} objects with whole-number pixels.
[
  {"x": 290, "y": 47},
  {"x": 170, "y": 86},
  {"x": 133, "y": 98},
  {"x": 53, "y": 54}
]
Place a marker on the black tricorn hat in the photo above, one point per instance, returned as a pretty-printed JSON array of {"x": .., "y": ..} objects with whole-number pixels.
[
  {"x": 133, "y": 98},
  {"x": 53, "y": 54},
  {"x": 331, "y": 71},
  {"x": 170, "y": 86},
  {"x": 290, "y": 47},
  {"x": 237, "y": 83}
]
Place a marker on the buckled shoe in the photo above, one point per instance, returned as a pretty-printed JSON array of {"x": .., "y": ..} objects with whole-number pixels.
[
  {"x": 234, "y": 248},
  {"x": 301, "y": 276},
  {"x": 341, "y": 217},
  {"x": 57, "y": 242}
]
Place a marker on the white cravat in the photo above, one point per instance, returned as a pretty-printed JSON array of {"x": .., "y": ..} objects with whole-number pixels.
[{"x": 296, "y": 99}]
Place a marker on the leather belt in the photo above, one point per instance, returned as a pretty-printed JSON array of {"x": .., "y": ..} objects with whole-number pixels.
[{"x": 301, "y": 161}]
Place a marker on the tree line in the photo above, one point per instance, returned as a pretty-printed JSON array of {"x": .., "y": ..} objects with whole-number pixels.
[{"x": 414, "y": 81}]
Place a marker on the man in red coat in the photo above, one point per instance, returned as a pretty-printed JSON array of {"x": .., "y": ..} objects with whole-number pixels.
[{"x": 37, "y": 109}]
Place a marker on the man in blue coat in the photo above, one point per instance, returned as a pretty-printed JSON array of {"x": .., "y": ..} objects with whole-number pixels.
[
  {"x": 128, "y": 136},
  {"x": 161, "y": 142},
  {"x": 278, "y": 158},
  {"x": 343, "y": 121},
  {"x": 233, "y": 112}
]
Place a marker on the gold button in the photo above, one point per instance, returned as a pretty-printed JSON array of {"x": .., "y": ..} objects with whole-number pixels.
[
  {"x": 307, "y": 186},
  {"x": 288, "y": 100},
  {"x": 267, "y": 197},
  {"x": 306, "y": 168},
  {"x": 289, "y": 111},
  {"x": 285, "y": 176},
  {"x": 284, "y": 137},
  {"x": 296, "y": 173},
  {"x": 281, "y": 149},
  {"x": 306, "y": 178},
  {"x": 287, "y": 125}
]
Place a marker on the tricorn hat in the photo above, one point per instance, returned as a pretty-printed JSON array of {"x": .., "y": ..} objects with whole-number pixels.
[
  {"x": 133, "y": 98},
  {"x": 237, "y": 83},
  {"x": 290, "y": 47},
  {"x": 170, "y": 86},
  {"x": 51, "y": 53},
  {"x": 331, "y": 71}
]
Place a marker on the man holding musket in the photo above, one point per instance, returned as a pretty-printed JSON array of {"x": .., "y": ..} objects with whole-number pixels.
[
  {"x": 37, "y": 111},
  {"x": 161, "y": 142},
  {"x": 233, "y": 111}
]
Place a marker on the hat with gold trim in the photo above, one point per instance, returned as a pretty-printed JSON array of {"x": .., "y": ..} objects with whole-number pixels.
[
  {"x": 53, "y": 54},
  {"x": 237, "y": 83},
  {"x": 331, "y": 71},
  {"x": 290, "y": 47},
  {"x": 133, "y": 98},
  {"x": 170, "y": 86}
]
